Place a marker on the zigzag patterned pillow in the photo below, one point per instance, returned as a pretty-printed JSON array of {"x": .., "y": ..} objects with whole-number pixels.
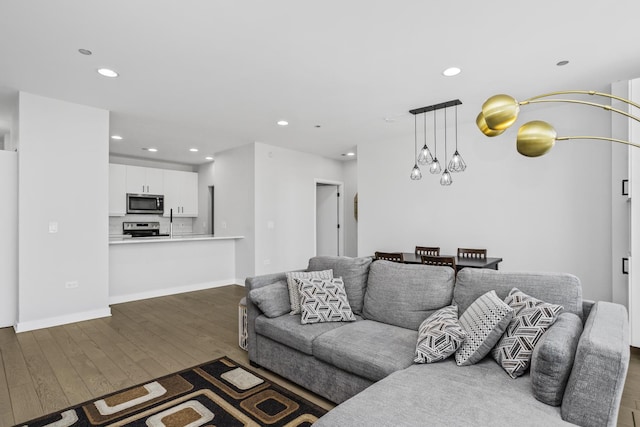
[
  {"x": 531, "y": 320},
  {"x": 294, "y": 294},
  {"x": 439, "y": 336},
  {"x": 323, "y": 300}
]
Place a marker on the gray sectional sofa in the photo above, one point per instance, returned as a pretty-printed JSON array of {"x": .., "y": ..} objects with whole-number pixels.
[{"x": 367, "y": 368}]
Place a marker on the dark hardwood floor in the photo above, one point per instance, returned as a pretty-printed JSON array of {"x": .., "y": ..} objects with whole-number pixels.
[{"x": 50, "y": 369}]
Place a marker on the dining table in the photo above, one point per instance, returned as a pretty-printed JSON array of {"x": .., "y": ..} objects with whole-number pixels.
[{"x": 461, "y": 262}]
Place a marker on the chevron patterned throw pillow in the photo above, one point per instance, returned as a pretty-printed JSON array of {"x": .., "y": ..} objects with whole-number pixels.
[
  {"x": 294, "y": 294},
  {"x": 323, "y": 300},
  {"x": 439, "y": 336},
  {"x": 531, "y": 319}
]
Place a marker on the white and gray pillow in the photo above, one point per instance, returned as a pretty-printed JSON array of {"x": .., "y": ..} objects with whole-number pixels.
[
  {"x": 484, "y": 322},
  {"x": 323, "y": 300},
  {"x": 294, "y": 294},
  {"x": 531, "y": 319},
  {"x": 439, "y": 336}
]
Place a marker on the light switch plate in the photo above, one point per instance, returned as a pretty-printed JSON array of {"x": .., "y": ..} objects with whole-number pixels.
[{"x": 53, "y": 226}]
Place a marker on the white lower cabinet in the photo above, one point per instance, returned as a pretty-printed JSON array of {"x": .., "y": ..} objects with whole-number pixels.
[{"x": 180, "y": 193}]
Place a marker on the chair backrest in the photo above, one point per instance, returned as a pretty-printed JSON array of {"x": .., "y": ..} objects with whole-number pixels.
[
  {"x": 427, "y": 250},
  {"x": 472, "y": 253},
  {"x": 447, "y": 261},
  {"x": 390, "y": 256}
]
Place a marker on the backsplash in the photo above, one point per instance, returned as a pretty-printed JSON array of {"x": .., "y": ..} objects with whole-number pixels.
[{"x": 180, "y": 225}]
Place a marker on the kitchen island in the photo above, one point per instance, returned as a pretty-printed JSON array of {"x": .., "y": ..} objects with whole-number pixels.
[{"x": 149, "y": 267}]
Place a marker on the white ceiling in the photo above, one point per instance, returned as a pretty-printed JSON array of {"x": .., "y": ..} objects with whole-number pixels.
[{"x": 218, "y": 74}]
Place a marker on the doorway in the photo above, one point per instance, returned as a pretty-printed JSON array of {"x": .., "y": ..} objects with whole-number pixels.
[{"x": 328, "y": 219}]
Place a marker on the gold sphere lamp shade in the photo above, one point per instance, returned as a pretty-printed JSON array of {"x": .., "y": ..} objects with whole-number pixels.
[
  {"x": 535, "y": 138},
  {"x": 482, "y": 125},
  {"x": 500, "y": 112}
]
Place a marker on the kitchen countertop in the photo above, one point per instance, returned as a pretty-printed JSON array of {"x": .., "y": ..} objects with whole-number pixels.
[{"x": 122, "y": 240}]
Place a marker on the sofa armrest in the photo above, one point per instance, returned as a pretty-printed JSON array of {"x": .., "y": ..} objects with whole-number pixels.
[
  {"x": 593, "y": 392},
  {"x": 253, "y": 311}
]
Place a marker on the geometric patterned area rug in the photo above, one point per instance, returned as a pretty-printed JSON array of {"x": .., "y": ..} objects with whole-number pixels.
[{"x": 220, "y": 393}]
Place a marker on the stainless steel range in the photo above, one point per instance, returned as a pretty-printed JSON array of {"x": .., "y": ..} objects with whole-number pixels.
[{"x": 141, "y": 229}]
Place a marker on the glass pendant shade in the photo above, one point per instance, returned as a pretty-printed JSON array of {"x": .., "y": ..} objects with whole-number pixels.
[
  {"x": 456, "y": 164},
  {"x": 425, "y": 157},
  {"x": 415, "y": 173},
  {"x": 445, "y": 179},
  {"x": 435, "y": 167}
]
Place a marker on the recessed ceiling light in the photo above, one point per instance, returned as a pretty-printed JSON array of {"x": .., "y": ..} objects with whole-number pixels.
[
  {"x": 208, "y": 158},
  {"x": 106, "y": 72},
  {"x": 350, "y": 153},
  {"x": 85, "y": 51},
  {"x": 118, "y": 137},
  {"x": 561, "y": 63},
  {"x": 451, "y": 71},
  {"x": 193, "y": 150},
  {"x": 283, "y": 123},
  {"x": 153, "y": 150}
]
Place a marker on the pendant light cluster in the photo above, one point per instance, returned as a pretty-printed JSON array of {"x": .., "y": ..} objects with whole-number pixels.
[{"x": 425, "y": 157}]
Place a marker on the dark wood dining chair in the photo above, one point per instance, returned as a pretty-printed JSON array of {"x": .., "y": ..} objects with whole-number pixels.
[
  {"x": 446, "y": 261},
  {"x": 472, "y": 253},
  {"x": 390, "y": 256},
  {"x": 427, "y": 250}
]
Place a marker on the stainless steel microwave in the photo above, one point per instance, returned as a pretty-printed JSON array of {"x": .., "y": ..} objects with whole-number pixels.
[{"x": 145, "y": 204}]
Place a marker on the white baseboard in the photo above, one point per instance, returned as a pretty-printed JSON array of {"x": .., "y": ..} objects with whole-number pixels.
[
  {"x": 118, "y": 299},
  {"x": 49, "y": 322}
]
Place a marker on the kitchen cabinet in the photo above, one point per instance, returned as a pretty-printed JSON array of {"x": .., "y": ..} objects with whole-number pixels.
[
  {"x": 180, "y": 193},
  {"x": 117, "y": 190},
  {"x": 142, "y": 180}
]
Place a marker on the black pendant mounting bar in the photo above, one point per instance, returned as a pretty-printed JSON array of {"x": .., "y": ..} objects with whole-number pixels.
[{"x": 436, "y": 107}]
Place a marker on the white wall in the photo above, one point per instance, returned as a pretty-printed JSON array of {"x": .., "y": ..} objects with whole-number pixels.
[
  {"x": 64, "y": 178},
  {"x": 234, "y": 204},
  {"x": 9, "y": 240},
  {"x": 285, "y": 194},
  {"x": 551, "y": 213},
  {"x": 350, "y": 176},
  {"x": 206, "y": 178}
]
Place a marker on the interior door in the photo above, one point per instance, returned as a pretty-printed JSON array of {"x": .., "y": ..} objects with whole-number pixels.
[{"x": 327, "y": 223}]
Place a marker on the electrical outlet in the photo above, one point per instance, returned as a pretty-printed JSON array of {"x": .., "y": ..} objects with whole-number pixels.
[
  {"x": 71, "y": 285},
  {"x": 53, "y": 226},
  {"x": 223, "y": 224}
]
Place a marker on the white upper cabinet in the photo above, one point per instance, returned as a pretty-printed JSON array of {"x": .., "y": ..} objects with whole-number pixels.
[
  {"x": 180, "y": 193},
  {"x": 117, "y": 190},
  {"x": 142, "y": 180}
]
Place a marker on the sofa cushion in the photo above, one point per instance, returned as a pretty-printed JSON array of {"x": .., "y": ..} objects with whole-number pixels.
[
  {"x": 484, "y": 321},
  {"x": 354, "y": 273},
  {"x": 366, "y": 348},
  {"x": 406, "y": 294},
  {"x": 554, "y": 288},
  {"x": 323, "y": 301},
  {"x": 288, "y": 330},
  {"x": 294, "y": 293},
  {"x": 531, "y": 319},
  {"x": 445, "y": 395},
  {"x": 439, "y": 336},
  {"x": 553, "y": 357},
  {"x": 273, "y": 299}
]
